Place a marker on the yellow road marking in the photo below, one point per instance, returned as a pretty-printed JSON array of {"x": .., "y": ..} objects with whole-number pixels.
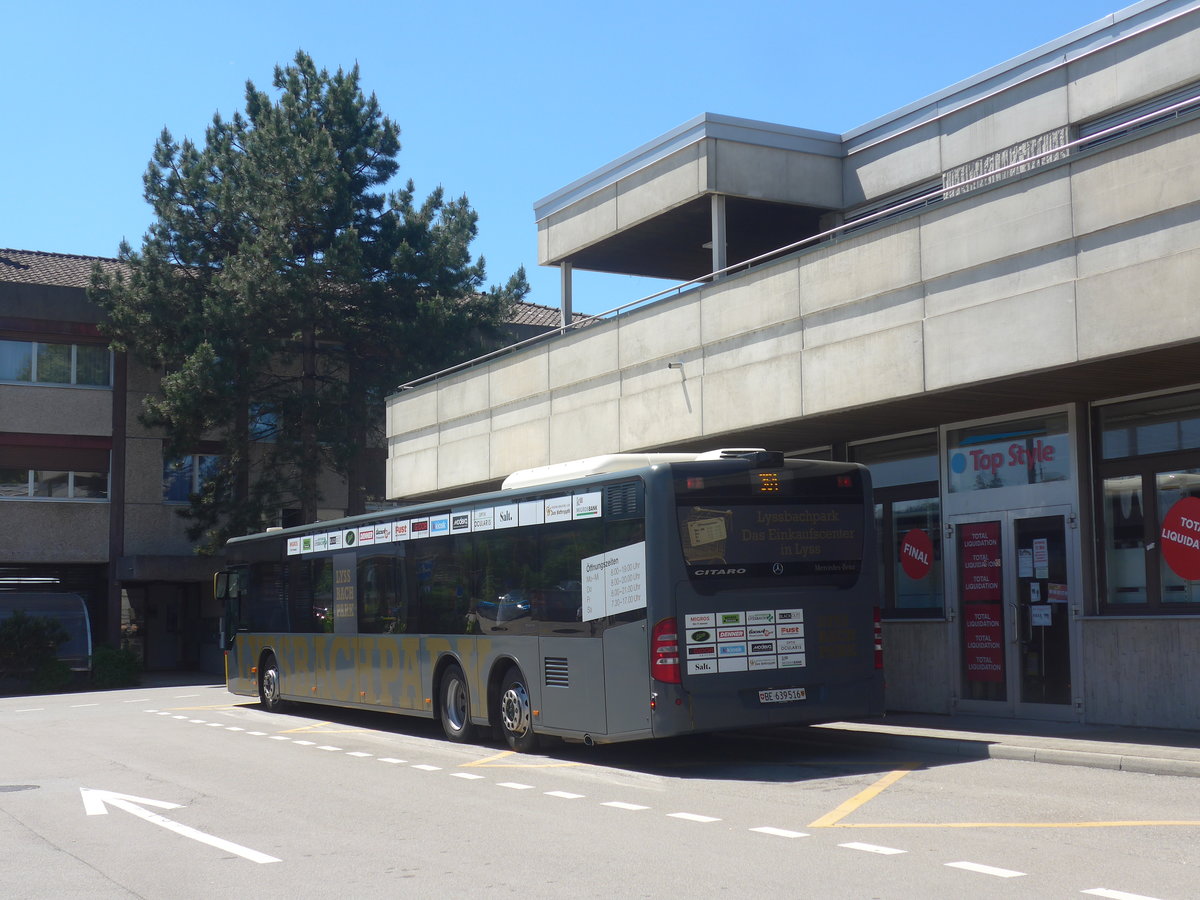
[
  {"x": 491, "y": 762},
  {"x": 1118, "y": 824},
  {"x": 320, "y": 728},
  {"x": 831, "y": 818}
]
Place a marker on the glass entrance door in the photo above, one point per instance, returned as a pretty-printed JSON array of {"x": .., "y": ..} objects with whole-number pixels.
[{"x": 1014, "y": 589}]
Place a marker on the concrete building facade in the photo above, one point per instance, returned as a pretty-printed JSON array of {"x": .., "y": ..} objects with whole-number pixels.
[{"x": 989, "y": 297}]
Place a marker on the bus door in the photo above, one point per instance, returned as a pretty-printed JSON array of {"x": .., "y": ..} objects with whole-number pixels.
[
  {"x": 229, "y": 590},
  {"x": 337, "y": 648}
]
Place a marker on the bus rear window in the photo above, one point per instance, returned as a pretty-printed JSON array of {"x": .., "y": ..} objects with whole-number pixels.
[{"x": 775, "y": 527}]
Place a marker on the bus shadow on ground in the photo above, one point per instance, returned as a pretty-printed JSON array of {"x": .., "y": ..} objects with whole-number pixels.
[{"x": 770, "y": 755}]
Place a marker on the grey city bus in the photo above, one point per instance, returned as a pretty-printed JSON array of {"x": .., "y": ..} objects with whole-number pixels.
[{"x": 618, "y": 598}]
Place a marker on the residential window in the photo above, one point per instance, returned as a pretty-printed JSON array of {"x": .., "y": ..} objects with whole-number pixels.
[
  {"x": 187, "y": 475},
  {"x": 264, "y": 423},
  {"x": 31, "y": 471},
  {"x": 45, "y": 362},
  {"x": 908, "y": 524},
  {"x": 1148, "y": 498}
]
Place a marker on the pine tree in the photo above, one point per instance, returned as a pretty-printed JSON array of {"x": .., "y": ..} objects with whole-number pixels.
[{"x": 282, "y": 294}]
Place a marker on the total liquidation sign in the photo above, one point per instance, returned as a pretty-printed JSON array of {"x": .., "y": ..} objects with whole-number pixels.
[{"x": 1181, "y": 538}]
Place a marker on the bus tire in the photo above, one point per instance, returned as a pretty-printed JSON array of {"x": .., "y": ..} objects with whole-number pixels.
[
  {"x": 515, "y": 713},
  {"x": 455, "y": 706},
  {"x": 268, "y": 684}
]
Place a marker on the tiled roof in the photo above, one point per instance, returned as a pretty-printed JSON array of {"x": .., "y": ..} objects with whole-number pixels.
[
  {"x": 56, "y": 269},
  {"x": 65, "y": 270}
]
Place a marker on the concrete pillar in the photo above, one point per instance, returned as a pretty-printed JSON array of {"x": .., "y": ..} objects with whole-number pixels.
[
  {"x": 719, "y": 257},
  {"x": 564, "y": 318}
]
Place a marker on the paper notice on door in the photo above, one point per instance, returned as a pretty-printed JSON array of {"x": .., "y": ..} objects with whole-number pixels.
[
  {"x": 1041, "y": 558},
  {"x": 1024, "y": 563},
  {"x": 1057, "y": 592},
  {"x": 1041, "y": 616},
  {"x": 1035, "y": 592}
]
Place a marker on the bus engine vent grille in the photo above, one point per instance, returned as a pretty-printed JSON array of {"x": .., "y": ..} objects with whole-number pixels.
[
  {"x": 557, "y": 674},
  {"x": 624, "y": 501}
]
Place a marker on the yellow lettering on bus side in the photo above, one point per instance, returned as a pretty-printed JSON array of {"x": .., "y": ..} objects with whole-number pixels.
[
  {"x": 342, "y": 651},
  {"x": 408, "y": 688}
]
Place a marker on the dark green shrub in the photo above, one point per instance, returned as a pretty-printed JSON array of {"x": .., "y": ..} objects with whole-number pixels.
[
  {"x": 27, "y": 643},
  {"x": 112, "y": 668},
  {"x": 51, "y": 677}
]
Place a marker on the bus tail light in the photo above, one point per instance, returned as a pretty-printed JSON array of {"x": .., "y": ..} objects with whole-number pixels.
[
  {"x": 878, "y": 639},
  {"x": 664, "y": 652}
]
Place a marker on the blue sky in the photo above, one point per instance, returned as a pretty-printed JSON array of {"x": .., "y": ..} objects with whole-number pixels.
[{"x": 505, "y": 102}]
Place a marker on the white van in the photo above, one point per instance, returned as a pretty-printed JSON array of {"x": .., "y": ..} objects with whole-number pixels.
[{"x": 69, "y": 610}]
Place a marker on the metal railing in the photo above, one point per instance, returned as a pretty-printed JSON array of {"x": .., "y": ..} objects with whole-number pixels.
[{"x": 958, "y": 189}]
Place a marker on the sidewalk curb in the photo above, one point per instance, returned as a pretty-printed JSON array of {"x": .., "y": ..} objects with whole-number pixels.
[{"x": 987, "y": 748}]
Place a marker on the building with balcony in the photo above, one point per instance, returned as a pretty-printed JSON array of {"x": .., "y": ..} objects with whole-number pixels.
[
  {"x": 989, "y": 297},
  {"x": 88, "y": 501}
]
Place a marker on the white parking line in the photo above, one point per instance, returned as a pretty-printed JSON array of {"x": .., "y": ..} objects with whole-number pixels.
[
  {"x": 428, "y": 768},
  {"x": 1116, "y": 895},
  {"x": 392, "y": 760},
  {"x": 329, "y": 748},
  {"x": 617, "y": 804},
  {"x": 779, "y": 832},
  {"x": 82, "y": 705},
  {"x": 306, "y": 743},
  {"x": 467, "y": 775},
  {"x": 32, "y": 709},
  {"x": 280, "y": 737},
  {"x": 564, "y": 795},
  {"x": 985, "y": 870},
  {"x": 692, "y": 817},
  {"x": 359, "y": 754},
  {"x": 516, "y": 785},
  {"x": 138, "y": 700},
  {"x": 872, "y": 848}
]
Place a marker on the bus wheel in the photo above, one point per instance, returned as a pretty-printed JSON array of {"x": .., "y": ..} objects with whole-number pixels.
[
  {"x": 268, "y": 684},
  {"x": 456, "y": 706},
  {"x": 516, "y": 716}
]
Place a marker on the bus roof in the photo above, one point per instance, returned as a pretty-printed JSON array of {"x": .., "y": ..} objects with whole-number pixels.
[{"x": 611, "y": 462}]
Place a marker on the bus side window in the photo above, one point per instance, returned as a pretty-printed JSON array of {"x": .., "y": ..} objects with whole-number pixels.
[{"x": 381, "y": 607}]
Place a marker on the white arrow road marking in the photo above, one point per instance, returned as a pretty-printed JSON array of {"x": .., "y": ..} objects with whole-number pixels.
[{"x": 96, "y": 803}]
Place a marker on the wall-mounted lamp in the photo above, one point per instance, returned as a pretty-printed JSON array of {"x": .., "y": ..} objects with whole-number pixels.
[{"x": 675, "y": 365}]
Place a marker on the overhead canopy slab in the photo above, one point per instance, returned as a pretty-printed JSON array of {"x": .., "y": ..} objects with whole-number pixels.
[{"x": 651, "y": 212}]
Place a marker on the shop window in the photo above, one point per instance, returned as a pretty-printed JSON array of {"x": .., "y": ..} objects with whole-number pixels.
[
  {"x": 1009, "y": 454},
  {"x": 1148, "y": 497},
  {"x": 908, "y": 520},
  {"x": 45, "y": 362}
]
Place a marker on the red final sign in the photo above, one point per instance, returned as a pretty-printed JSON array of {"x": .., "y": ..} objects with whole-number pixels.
[
  {"x": 1181, "y": 538},
  {"x": 916, "y": 554},
  {"x": 983, "y": 636}
]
